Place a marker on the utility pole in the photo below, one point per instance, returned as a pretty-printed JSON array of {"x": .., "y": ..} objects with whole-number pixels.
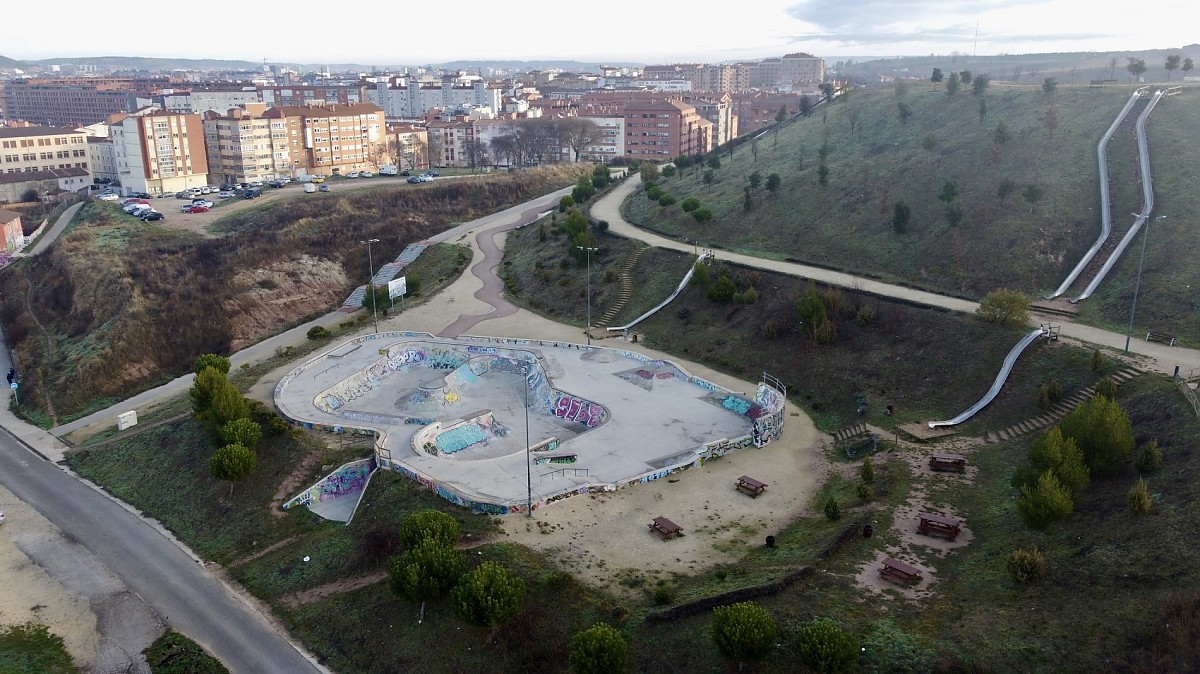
[
  {"x": 371, "y": 280},
  {"x": 589, "y": 252},
  {"x": 1137, "y": 286},
  {"x": 528, "y": 451}
]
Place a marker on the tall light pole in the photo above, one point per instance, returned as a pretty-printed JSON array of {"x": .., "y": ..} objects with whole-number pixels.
[
  {"x": 528, "y": 451},
  {"x": 589, "y": 252},
  {"x": 371, "y": 280},
  {"x": 1138, "y": 284}
]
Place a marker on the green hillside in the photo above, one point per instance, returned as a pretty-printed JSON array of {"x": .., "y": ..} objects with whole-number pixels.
[{"x": 875, "y": 160}]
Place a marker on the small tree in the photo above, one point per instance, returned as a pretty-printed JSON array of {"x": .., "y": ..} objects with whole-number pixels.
[
  {"x": 1063, "y": 457},
  {"x": 743, "y": 631},
  {"x": 219, "y": 363},
  {"x": 233, "y": 463},
  {"x": 747, "y": 199},
  {"x": 1049, "y": 86},
  {"x": 949, "y": 192},
  {"x": 666, "y": 200},
  {"x": 901, "y": 213},
  {"x": 488, "y": 595},
  {"x": 204, "y": 388},
  {"x": 980, "y": 84},
  {"x": 1001, "y": 135},
  {"x": 1136, "y": 68},
  {"x": 599, "y": 649},
  {"x": 1149, "y": 457},
  {"x": 429, "y": 525},
  {"x": 227, "y": 405},
  {"x": 1006, "y": 307},
  {"x": 773, "y": 182},
  {"x": 707, "y": 177},
  {"x": 954, "y": 214},
  {"x": 937, "y": 76},
  {"x": 1187, "y": 66},
  {"x": 867, "y": 471},
  {"x": 583, "y": 190},
  {"x": 1032, "y": 194},
  {"x": 244, "y": 432},
  {"x": 904, "y": 111},
  {"x": 649, "y": 172},
  {"x": 806, "y": 105},
  {"x": 952, "y": 84},
  {"x": 965, "y": 77},
  {"x": 831, "y": 508},
  {"x": 1103, "y": 431},
  {"x": 565, "y": 203},
  {"x": 1098, "y": 360},
  {"x": 1045, "y": 504},
  {"x": 1139, "y": 498},
  {"x": 1025, "y": 565},
  {"x": 1172, "y": 64},
  {"x": 425, "y": 571},
  {"x": 1107, "y": 387},
  {"x": 668, "y": 171},
  {"x": 1004, "y": 189},
  {"x": 755, "y": 179},
  {"x": 690, "y": 204},
  {"x": 702, "y": 215},
  {"x": 864, "y": 492},
  {"x": 377, "y": 298},
  {"x": 825, "y": 647},
  {"x": 714, "y": 162},
  {"x": 823, "y": 175}
]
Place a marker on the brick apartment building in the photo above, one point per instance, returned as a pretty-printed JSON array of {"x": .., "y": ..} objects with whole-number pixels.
[
  {"x": 659, "y": 130},
  {"x": 76, "y": 101},
  {"x": 333, "y": 138},
  {"x": 244, "y": 145},
  {"x": 757, "y": 111}
]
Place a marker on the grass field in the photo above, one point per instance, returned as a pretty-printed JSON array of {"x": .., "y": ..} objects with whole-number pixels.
[
  {"x": 875, "y": 161},
  {"x": 29, "y": 648}
]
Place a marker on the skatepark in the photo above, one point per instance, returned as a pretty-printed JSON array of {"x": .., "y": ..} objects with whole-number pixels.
[{"x": 457, "y": 415}]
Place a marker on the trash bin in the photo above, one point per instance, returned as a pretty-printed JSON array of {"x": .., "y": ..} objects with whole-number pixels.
[
  {"x": 770, "y": 541},
  {"x": 867, "y": 531}
]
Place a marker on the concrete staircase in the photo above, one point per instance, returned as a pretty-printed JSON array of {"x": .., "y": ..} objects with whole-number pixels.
[
  {"x": 626, "y": 289},
  {"x": 850, "y": 432},
  {"x": 384, "y": 274},
  {"x": 1062, "y": 409}
]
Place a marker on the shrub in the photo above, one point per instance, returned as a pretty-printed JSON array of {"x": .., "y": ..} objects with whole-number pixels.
[
  {"x": 242, "y": 432},
  {"x": 1025, "y": 565},
  {"x": 832, "y": 511},
  {"x": 664, "y": 595},
  {"x": 1107, "y": 387},
  {"x": 901, "y": 214},
  {"x": 277, "y": 425},
  {"x": 743, "y": 631},
  {"x": 1045, "y": 504},
  {"x": 219, "y": 363},
  {"x": 599, "y": 649},
  {"x": 867, "y": 471},
  {"x": 565, "y": 203},
  {"x": 425, "y": 571},
  {"x": 690, "y": 204},
  {"x": 723, "y": 290},
  {"x": 1103, "y": 432},
  {"x": 602, "y": 226},
  {"x": 1098, "y": 361},
  {"x": 1063, "y": 457},
  {"x": 714, "y": 162},
  {"x": 1149, "y": 457},
  {"x": 707, "y": 177},
  {"x": 1006, "y": 307},
  {"x": 427, "y": 525},
  {"x": 1139, "y": 498},
  {"x": 488, "y": 595},
  {"x": 748, "y": 297},
  {"x": 755, "y": 179},
  {"x": 702, "y": 215},
  {"x": 666, "y": 200},
  {"x": 892, "y": 650},
  {"x": 773, "y": 182},
  {"x": 610, "y": 275},
  {"x": 1055, "y": 390},
  {"x": 318, "y": 332},
  {"x": 864, "y": 492},
  {"x": 865, "y": 316},
  {"x": 825, "y": 332},
  {"x": 208, "y": 382},
  {"x": 649, "y": 172},
  {"x": 654, "y": 193},
  {"x": 668, "y": 171},
  {"x": 825, "y": 647}
]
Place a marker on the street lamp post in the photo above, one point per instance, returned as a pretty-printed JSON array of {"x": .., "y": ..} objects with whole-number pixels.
[
  {"x": 371, "y": 280},
  {"x": 528, "y": 451},
  {"x": 589, "y": 252},
  {"x": 1137, "y": 286}
]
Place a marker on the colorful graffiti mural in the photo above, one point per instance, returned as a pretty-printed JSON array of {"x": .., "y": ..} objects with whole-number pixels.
[{"x": 350, "y": 478}]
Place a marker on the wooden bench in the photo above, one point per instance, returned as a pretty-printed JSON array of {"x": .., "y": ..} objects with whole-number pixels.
[
  {"x": 750, "y": 486},
  {"x": 665, "y": 528},
  {"x": 898, "y": 572},
  {"x": 948, "y": 462},
  {"x": 936, "y": 525},
  {"x": 1161, "y": 337}
]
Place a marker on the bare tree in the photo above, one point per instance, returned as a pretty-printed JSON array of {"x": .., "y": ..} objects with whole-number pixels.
[
  {"x": 437, "y": 149},
  {"x": 577, "y": 133},
  {"x": 1112, "y": 67},
  {"x": 504, "y": 149},
  {"x": 475, "y": 152}
]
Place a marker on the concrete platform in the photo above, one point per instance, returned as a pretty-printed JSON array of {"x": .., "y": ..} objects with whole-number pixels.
[{"x": 452, "y": 414}]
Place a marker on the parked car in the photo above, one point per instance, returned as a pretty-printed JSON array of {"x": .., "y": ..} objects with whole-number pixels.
[
  {"x": 140, "y": 195},
  {"x": 406, "y": 173},
  {"x": 253, "y": 192},
  {"x": 365, "y": 174},
  {"x": 425, "y": 178},
  {"x": 139, "y": 209},
  {"x": 134, "y": 200},
  {"x": 152, "y": 216},
  {"x": 255, "y": 183},
  {"x": 275, "y": 183},
  {"x": 309, "y": 188},
  {"x": 434, "y": 174},
  {"x": 414, "y": 180},
  {"x": 108, "y": 197},
  {"x": 194, "y": 208},
  {"x": 352, "y": 174},
  {"x": 324, "y": 188},
  {"x": 224, "y": 195},
  {"x": 202, "y": 202},
  {"x": 318, "y": 179},
  {"x": 205, "y": 190}
]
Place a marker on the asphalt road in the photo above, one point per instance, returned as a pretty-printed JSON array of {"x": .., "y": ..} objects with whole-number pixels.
[{"x": 174, "y": 584}]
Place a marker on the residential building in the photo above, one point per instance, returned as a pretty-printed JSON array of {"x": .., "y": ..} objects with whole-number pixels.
[
  {"x": 201, "y": 100},
  {"x": 660, "y": 130},
  {"x": 11, "y": 230},
  {"x": 408, "y": 147},
  {"x": 609, "y": 143},
  {"x": 41, "y": 148},
  {"x": 307, "y": 94},
  {"x": 450, "y": 141},
  {"x": 160, "y": 152},
  {"x": 410, "y": 99},
  {"x": 244, "y": 145},
  {"x": 102, "y": 159},
  {"x": 756, "y": 111},
  {"x": 72, "y": 101},
  {"x": 13, "y": 186},
  {"x": 792, "y": 72},
  {"x": 718, "y": 110},
  {"x": 332, "y": 138}
]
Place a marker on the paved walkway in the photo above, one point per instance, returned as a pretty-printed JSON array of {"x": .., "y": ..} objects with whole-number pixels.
[
  {"x": 1162, "y": 357},
  {"x": 56, "y": 229}
]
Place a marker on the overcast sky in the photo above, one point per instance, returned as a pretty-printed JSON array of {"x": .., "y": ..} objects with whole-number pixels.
[{"x": 374, "y": 32}]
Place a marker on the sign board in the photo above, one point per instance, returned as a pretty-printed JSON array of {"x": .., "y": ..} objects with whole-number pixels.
[
  {"x": 396, "y": 287},
  {"x": 126, "y": 420}
]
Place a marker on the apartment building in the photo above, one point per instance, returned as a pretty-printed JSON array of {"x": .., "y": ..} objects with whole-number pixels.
[
  {"x": 701, "y": 76},
  {"x": 756, "y": 111},
  {"x": 102, "y": 158},
  {"x": 298, "y": 95},
  {"x": 244, "y": 145},
  {"x": 455, "y": 143},
  {"x": 609, "y": 142},
  {"x": 74, "y": 101},
  {"x": 42, "y": 148},
  {"x": 159, "y": 152},
  {"x": 717, "y": 108},
  {"x": 197, "y": 101},
  {"x": 410, "y": 99},
  {"x": 660, "y": 130},
  {"x": 333, "y": 138},
  {"x": 791, "y": 72},
  {"x": 408, "y": 146}
]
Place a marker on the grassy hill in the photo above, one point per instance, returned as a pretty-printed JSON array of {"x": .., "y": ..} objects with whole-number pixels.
[
  {"x": 117, "y": 305},
  {"x": 876, "y": 160}
]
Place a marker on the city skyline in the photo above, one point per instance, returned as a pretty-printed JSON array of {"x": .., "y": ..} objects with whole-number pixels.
[{"x": 544, "y": 31}]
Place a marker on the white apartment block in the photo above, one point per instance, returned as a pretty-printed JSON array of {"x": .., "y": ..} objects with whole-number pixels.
[
  {"x": 159, "y": 152},
  {"x": 412, "y": 99},
  {"x": 610, "y": 141},
  {"x": 201, "y": 101}
]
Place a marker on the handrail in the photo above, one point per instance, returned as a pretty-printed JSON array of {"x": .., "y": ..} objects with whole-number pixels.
[
  {"x": 1147, "y": 202},
  {"x": 1105, "y": 197},
  {"x": 988, "y": 397}
]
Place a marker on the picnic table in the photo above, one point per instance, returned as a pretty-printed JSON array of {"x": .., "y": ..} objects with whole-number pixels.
[
  {"x": 898, "y": 572},
  {"x": 751, "y": 486},
  {"x": 948, "y": 462},
  {"x": 936, "y": 525},
  {"x": 665, "y": 528}
]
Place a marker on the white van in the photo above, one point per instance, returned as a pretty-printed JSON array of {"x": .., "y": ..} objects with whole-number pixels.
[{"x": 309, "y": 188}]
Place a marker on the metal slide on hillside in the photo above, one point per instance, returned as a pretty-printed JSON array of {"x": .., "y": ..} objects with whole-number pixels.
[
  {"x": 1147, "y": 201},
  {"x": 682, "y": 284},
  {"x": 1009, "y": 361},
  {"x": 1105, "y": 198}
]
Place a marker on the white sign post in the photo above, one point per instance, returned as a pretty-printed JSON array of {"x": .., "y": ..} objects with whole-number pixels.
[{"x": 397, "y": 287}]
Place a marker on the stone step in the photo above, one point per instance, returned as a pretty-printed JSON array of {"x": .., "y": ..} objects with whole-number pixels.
[
  {"x": 991, "y": 437},
  {"x": 1004, "y": 435}
]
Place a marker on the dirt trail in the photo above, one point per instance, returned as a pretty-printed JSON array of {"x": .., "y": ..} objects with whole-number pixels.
[{"x": 293, "y": 482}]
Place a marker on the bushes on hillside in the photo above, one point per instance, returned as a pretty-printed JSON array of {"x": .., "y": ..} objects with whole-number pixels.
[
  {"x": 1045, "y": 504},
  {"x": 825, "y": 647},
  {"x": 1103, "y": 431},
  {"x": 600, "y": 649},
  {"x": 1025, "y": 565},
  {"x": 1006, "y": 307},
  {"x": 429, "y": 525},
  {"x": 488, "y": 595},
  {"x": 1139, "y": 498},
  {"x": 743, "y": 632},
  {"x": 427, "y": 570}
]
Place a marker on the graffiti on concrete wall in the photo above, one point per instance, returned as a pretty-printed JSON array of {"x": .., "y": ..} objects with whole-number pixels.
[
  {"x": 349, "y": 478},
  {"x": 581, "y": 411}
]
